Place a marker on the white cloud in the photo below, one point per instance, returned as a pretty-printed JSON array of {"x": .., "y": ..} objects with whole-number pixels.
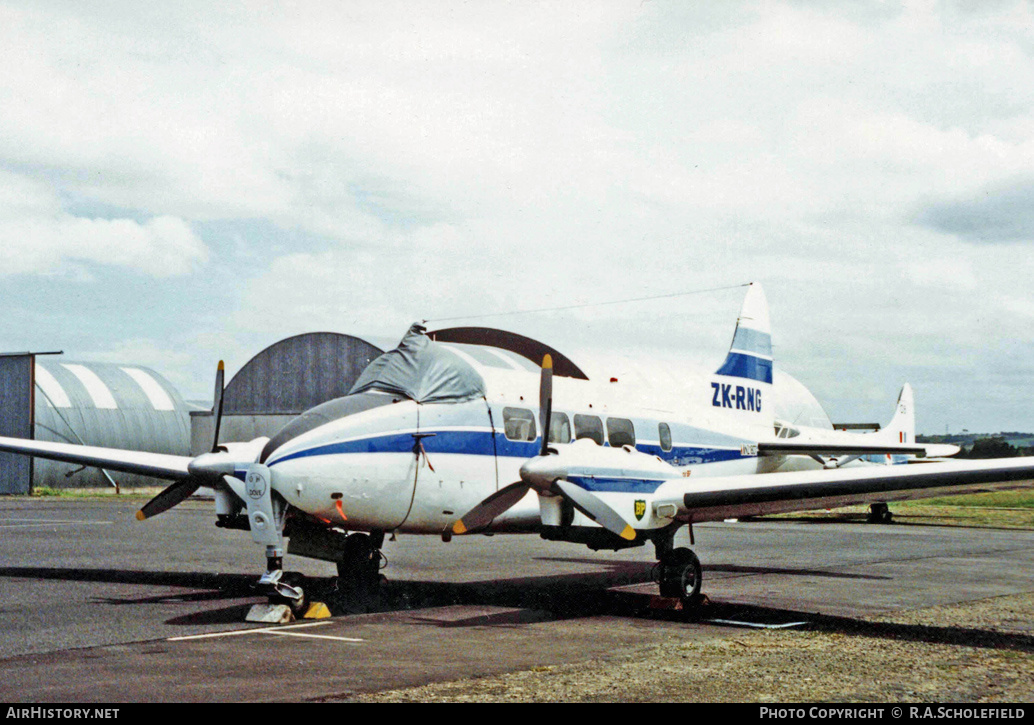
[
  {"x": 161, "y": 246},
  {"x": 36, "y": 236}
]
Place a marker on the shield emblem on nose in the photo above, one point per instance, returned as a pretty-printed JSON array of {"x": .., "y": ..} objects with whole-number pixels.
[{"x": 640, "y": 509}]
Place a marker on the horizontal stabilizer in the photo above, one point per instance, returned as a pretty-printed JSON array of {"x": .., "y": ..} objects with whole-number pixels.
[{"x": 941, "y": 450}]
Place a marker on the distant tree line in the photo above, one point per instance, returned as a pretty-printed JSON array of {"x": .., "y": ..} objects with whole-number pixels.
[{"x": 993, "y": 448}]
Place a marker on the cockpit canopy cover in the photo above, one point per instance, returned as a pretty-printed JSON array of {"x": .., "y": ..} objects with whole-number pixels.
[{"x": 422, "y": 370}]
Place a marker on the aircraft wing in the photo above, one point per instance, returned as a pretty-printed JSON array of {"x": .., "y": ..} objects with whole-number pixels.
[
  {"x": 157, "y": 465},
  {"x": 808, "y": 448},
  {"x": 714, "y": 499}
]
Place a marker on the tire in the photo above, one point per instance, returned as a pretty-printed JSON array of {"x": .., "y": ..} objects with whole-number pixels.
[
  {"x": 879, "y": 513},
  {"x": 360, "y": 560},
  {"x": 359, "y": 569},
  {"x": 356, "y": 557},
  {"x": 681, "y": 575},
  {"x": 298, "y": 606}
]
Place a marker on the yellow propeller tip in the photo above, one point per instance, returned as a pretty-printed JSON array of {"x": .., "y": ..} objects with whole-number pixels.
[
  {"x": 222, "y": 366},
  {"x": 628, "y": 534},
  {"x": 547, "y": 361},
  {"x": 459, "y": 528},
  {"x": 140, "y": 516}
]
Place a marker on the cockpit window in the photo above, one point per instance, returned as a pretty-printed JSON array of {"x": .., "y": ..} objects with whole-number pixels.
[
  {"x": 588, "y": 426},
  {"x": 519, "y": 424},
  {"x": 784, "y": 430},
  {"x": 323, "y": 414},
  {"x": 620, "y": 432},
  {"x": 559, "y": 428}
]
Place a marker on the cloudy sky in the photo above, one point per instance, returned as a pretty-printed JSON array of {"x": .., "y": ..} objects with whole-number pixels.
[{"x": 191, "y": 181}]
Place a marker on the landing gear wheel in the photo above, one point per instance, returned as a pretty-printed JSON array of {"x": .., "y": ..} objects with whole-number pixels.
[
  {"x": 879, "y": 513},
  {"x": 299, "y": 605},
  {"x": 680, "y": 575},
  {"x": 359, "y": 568}
]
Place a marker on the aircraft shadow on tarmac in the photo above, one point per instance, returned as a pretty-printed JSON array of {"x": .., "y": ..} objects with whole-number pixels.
[
  {"x": 738, "y": 569},
  {"x": 528, "y": 600},
  {"x": 959, "y": 636},
  {"x": 223, "y": 586}
]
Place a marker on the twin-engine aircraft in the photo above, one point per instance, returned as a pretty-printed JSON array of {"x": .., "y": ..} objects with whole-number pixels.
[{"x": 471, "y": 430}]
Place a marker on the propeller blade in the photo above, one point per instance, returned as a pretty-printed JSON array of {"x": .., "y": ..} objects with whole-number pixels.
[
  {"x": 594, "y": 507},
  {"x": 546, "y": 400},
  {"x": 482, "y": 514},
  {"x": 168, "y": 498},
  {"x": 217, "y": 405}
]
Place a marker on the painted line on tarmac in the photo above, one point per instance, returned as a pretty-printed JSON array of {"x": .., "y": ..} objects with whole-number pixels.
[
  {"x": 6, "y": 523},
  {"x": 755, "y": 625},
  {"x": 313, "y": 636},
  {"x": 280, "y": 629}
]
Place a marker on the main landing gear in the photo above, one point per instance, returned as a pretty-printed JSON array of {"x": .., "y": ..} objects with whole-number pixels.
[
  {"x": 358, "y": 582},
  {"x": 879, "y": 513},
  {"x": 359, "y": 569},
  {"x": 679, "y": 572},
  {"x": 680, "y": 575}
]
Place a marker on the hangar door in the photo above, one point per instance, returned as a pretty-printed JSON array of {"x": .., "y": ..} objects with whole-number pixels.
[{"x": 16, "y": 419}]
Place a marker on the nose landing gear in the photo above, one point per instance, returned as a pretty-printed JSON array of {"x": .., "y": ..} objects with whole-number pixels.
[
  {"x": 280, "y": 588},
  {"x": 286, "y": 588}
]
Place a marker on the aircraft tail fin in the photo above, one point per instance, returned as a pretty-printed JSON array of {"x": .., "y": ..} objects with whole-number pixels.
[
  {"x": 750, "y": 355},
  {"x": 742, "y": 388},
  {"x": 902, "y": 427}
]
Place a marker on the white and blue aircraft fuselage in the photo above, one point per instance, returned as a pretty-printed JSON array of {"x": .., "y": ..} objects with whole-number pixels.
[{"x": 453, "y": 434}]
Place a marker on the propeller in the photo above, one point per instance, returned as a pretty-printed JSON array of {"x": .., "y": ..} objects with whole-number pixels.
[
  {"x": 482, "y": 514},
  {"x": 217, "y": 404},
  {"x": 593, "y": 507},
  {"x": 546, "y": 401},
  {"x": 202, "y": 469},
  {"x": 545, "y": 476},
  {"x": 168, "y": 498}
]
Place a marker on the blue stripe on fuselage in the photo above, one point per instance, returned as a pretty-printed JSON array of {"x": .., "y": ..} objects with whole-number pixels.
[
  {"x": 479, "y": 443},
  {"x": 617, "y": 485}
]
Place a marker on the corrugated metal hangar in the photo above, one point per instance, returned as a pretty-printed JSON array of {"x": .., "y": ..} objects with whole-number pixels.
[
  {"x": 282, "y": 382},
  {"x": 132, "y": 407},
  {"x": 97, "y": 404}
]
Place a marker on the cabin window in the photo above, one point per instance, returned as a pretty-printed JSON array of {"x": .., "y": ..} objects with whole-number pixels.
[
  {"x": 588, "y": 426},
  {"x": 559, "y": 428},
  {"x": 519, "y": 424},
  {"x": 783, "y": 430},
  {"x": 664, "y": 433},
  {"x": 620, "y": 432}
]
